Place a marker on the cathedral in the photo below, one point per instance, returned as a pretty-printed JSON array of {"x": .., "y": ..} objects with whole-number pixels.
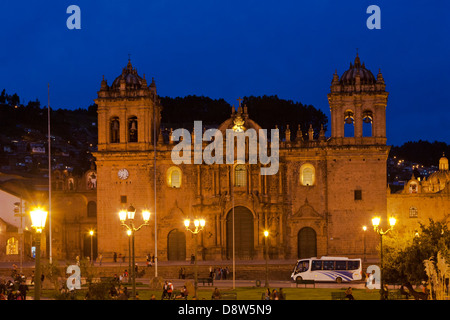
[{"x": 326, "y": 188}]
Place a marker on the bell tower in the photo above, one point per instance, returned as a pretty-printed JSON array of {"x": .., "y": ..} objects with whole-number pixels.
[
  {"x": 128, "y": 110},
  {"x": 358, "y": 103}
]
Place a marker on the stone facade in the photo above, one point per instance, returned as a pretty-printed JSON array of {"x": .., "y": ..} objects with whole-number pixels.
[
  {"x": 420, "y": 201},
  {"x": 325, "y": 190},
  {"x": 74, "y": 214}
]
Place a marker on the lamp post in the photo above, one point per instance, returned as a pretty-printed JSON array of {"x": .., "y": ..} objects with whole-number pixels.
[
  {"x": 199, "y": 224},
  {"x": 38, "y": 218},
  {"x": 364, "y": 241},
  {"x": 129, "y": 249},
  {"x": 91, "y": 233},
  {"x": 266, "y": 236},
  {"x": 127, "y": 220},
  {"x": 376, "y": 226}
]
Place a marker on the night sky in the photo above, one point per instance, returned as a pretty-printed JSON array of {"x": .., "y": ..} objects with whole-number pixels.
[{"x": 230, "y": 49}]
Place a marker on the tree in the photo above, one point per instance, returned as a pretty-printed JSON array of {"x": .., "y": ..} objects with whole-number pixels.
[
  {"x": 271, "y": 111},
  {"x": 438, "y": 273},
  {"x": 404, "y": 254}
]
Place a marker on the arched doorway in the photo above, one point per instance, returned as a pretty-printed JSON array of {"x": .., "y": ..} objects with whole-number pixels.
[
  {"x": 243, "y": 233},
  {"x": 176, "y": 245},
  {"x": 307, "y": 243}
]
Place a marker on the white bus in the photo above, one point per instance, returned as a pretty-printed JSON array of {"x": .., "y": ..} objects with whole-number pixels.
[{"x": 336, "y": 269}]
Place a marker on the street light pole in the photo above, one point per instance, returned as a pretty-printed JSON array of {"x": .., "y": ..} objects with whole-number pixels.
[
  {"x": 199, "y": 224},
  {"x": 91, "y": 233},
  {"x": 364, "y": 241},
  {"x": 129, "y": 216},
  {"x": 38, "y": 218},
  {"x": 266, "y": 235},
  {"x": 129, "y": 249},
  {"x": 37, "y": 268},
  {"x": 376, "y": 223}
]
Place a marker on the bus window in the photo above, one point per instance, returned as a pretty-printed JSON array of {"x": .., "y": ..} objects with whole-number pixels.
[
  {"x": 341, "y": 265},
  {"x": 328, "y": 265},
  {"x": 303, "y": 266},
  {"x": 353, "y": 265},
  {"x": 316, "y": 265}
]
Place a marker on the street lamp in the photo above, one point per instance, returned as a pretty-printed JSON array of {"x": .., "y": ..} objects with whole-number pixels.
[
  {"x": 364, "y": 241},
  {"x": 91, "y": 233},
  {"x": 376, "y": 226},
  {"x": 266, "y": 243},
  {"x": 126, "y": 218},
  {"x": 129, "y": 249},
  {"x": 38, "y": 218},
  {"x": 199, "y": 225}
]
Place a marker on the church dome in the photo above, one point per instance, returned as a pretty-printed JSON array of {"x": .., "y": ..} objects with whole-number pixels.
[
  {"x": 349, "y": 76},
  {"x": 443, "y": 163},
  {"x": 131, "y": 78},
  {"x": 439, "y": 179}
]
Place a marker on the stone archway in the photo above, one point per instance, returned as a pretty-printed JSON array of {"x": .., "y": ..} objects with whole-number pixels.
[{"x": 243, "y": 234}]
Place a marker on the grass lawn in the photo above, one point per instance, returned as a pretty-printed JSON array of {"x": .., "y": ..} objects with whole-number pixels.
[{"x": 246, "y": 293}]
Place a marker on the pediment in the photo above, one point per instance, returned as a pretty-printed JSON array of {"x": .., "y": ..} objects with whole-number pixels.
[{"x": 306, "y": 211}]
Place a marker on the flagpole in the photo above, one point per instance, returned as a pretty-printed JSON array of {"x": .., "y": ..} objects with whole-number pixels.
[
  {"x": 49, "y": 177},
  {"x": 154, "y": 183}
]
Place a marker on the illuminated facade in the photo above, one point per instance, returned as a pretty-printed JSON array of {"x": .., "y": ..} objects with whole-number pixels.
[{"x": 325, "y": 190}]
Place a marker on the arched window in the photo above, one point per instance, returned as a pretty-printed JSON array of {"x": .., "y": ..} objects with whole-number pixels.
[
  {"x": 132, "y": 129},
  {"x": 92, "y": 209},
  {"x": 413, "y": 188},
  {"x": 349, "y": 124},
  {"x": 174, "y": 177},
  {"x": 240, "y": 172},
  {"x": 413, "y": 213},
  {"x": 367, "y": 121},
  {"x": 307, "y": 174},
  {"x": 114, "y": 130},
  {"x": 12, "y": 246}
]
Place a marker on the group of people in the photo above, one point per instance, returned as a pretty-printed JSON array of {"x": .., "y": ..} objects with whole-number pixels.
[
  {"x": 218, "y": 273},
  {"x": 120, "y": 292},
  {"x": 15, "y": 289},
  {"x": 274, "y": 295},
  {"x": 150, "y": 260},
  {"x": 168, "y": 291}
]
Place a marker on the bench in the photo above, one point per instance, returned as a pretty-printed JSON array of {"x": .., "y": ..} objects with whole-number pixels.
[
  {"x": 338, "y": 295},
  {"x": 209, "y": 281},
  {"x": 305, "y": 282}
]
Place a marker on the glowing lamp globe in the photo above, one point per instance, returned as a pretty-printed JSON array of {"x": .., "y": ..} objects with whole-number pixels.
[{"x": 38, "y": 219}]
